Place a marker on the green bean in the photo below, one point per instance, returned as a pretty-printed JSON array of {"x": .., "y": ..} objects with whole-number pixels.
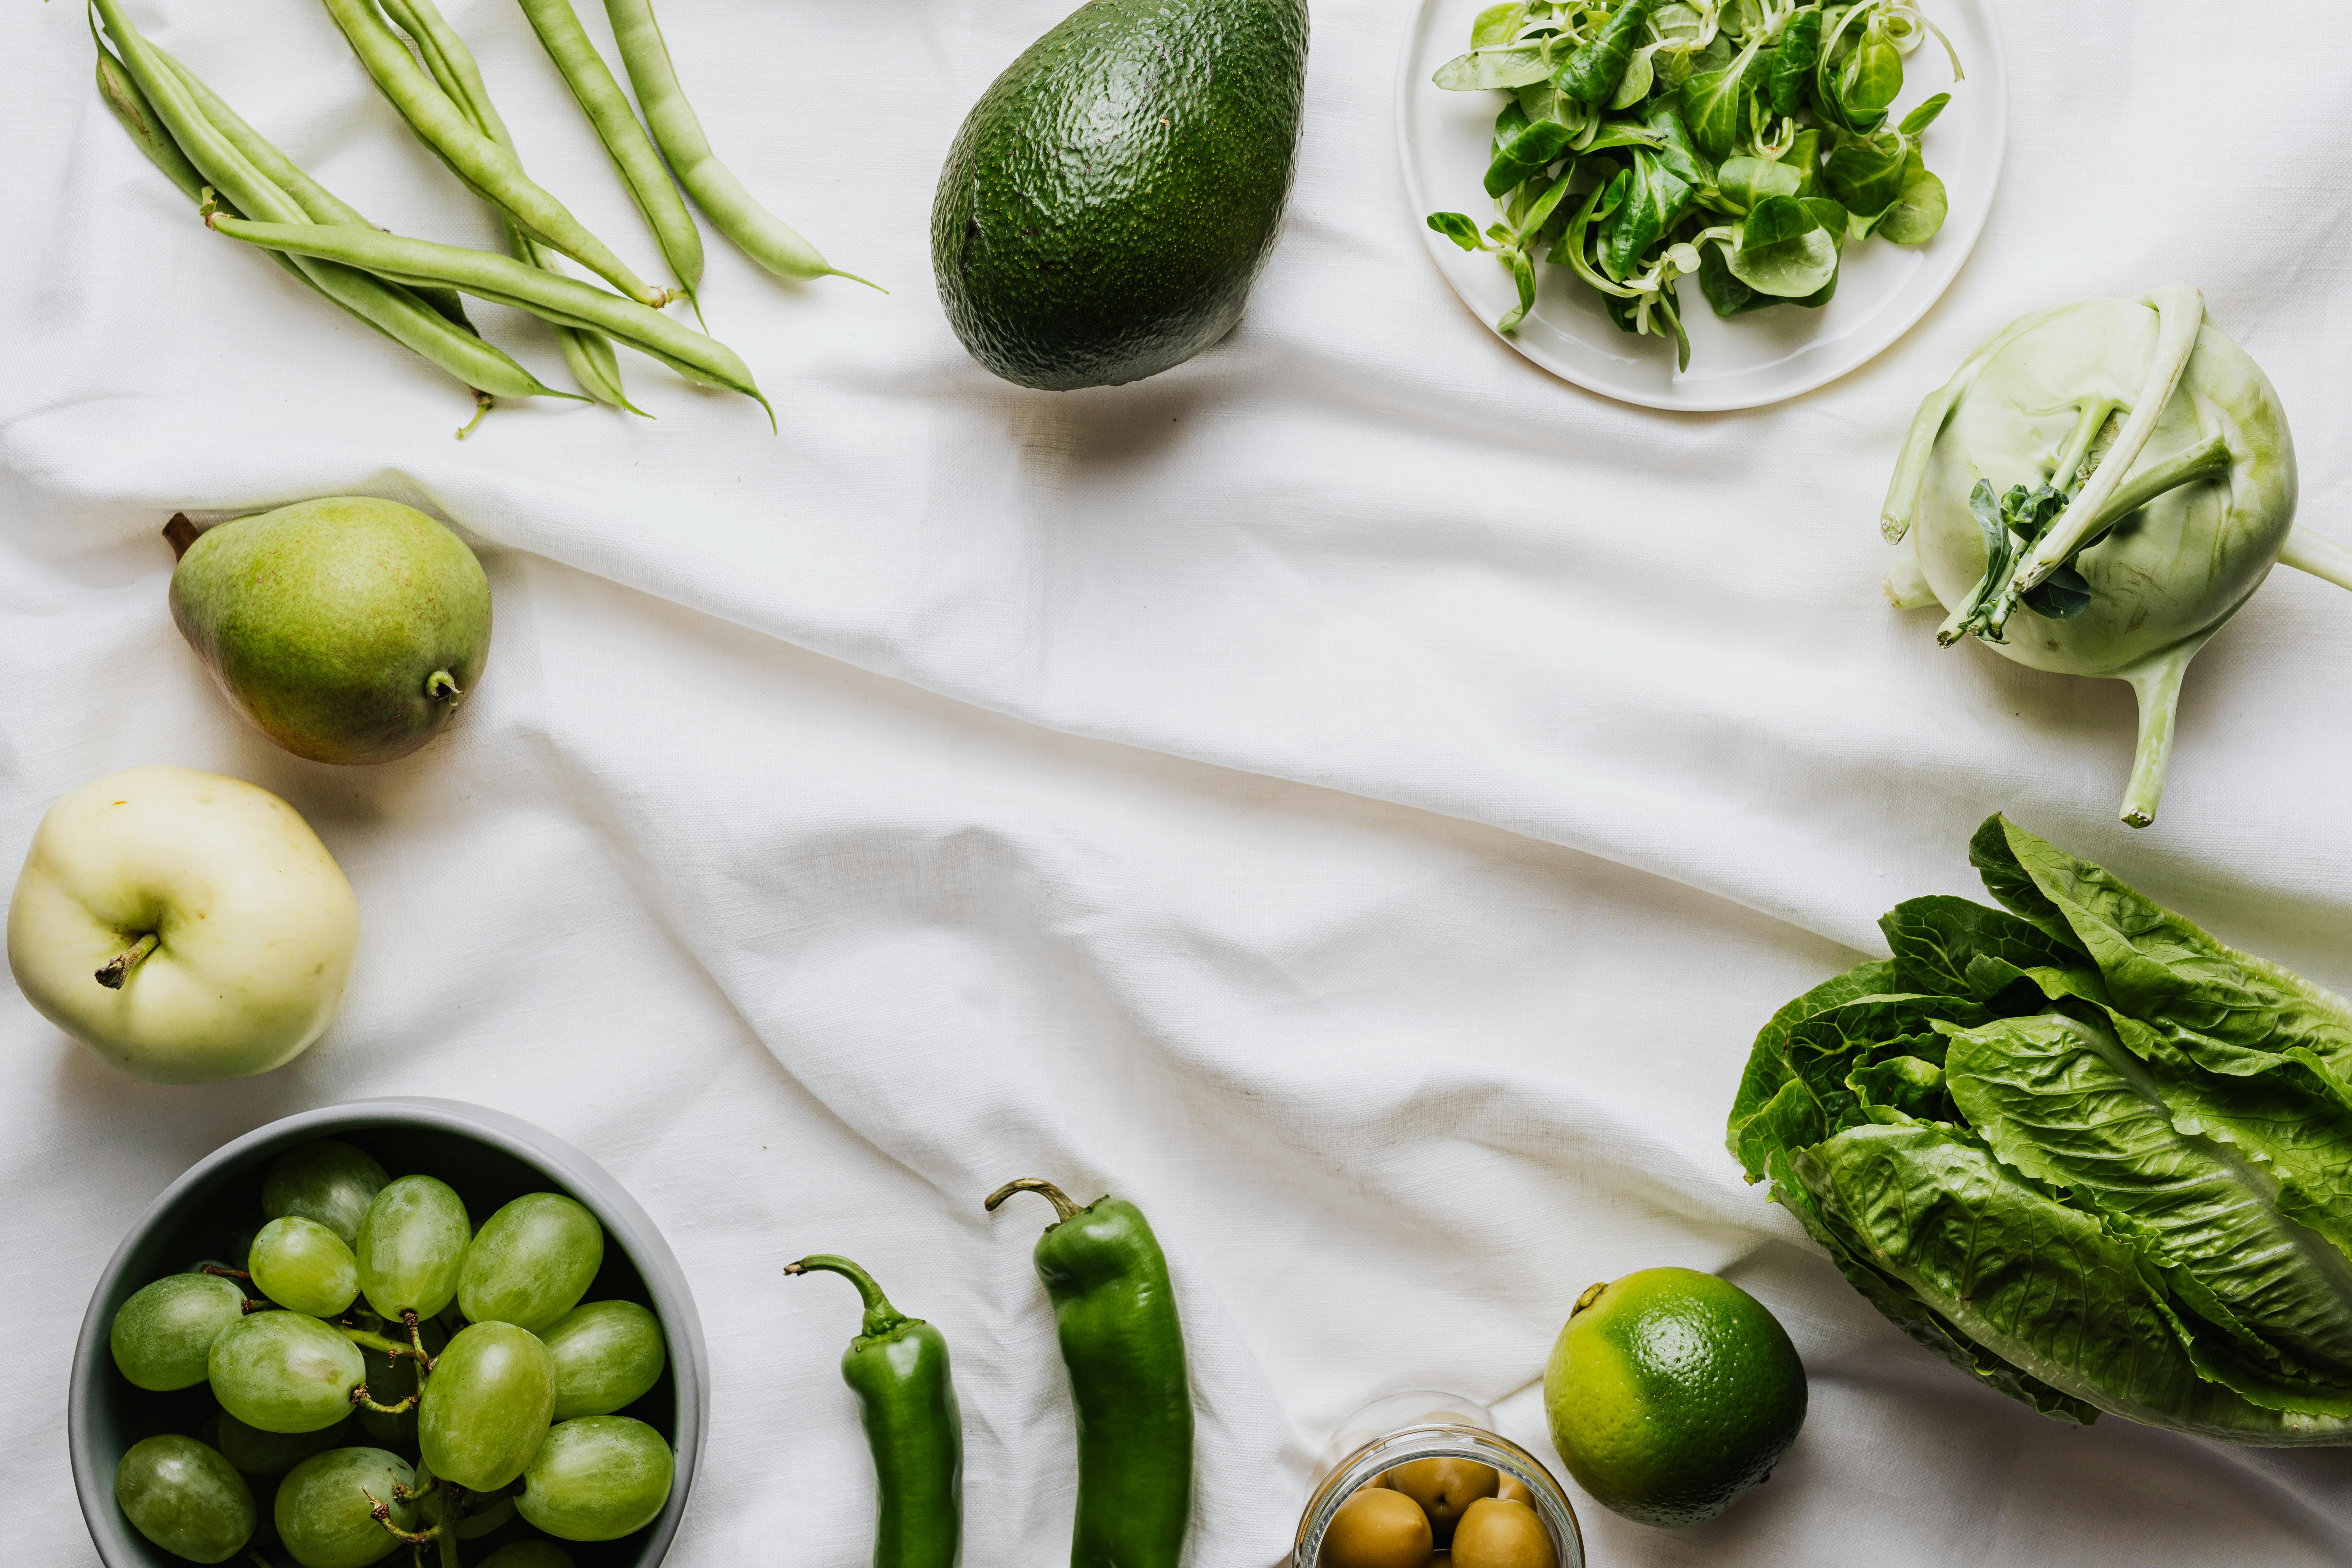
[
  {"x": 322, "y": 203},
  {"x": 503, "y": 281},
  {"x": 592, "y": 360},
  {"x": 490, "y": 169},
  {"x": 761, "y": 234},
  {"x": 397, "y": 313},
  {"x": 591, "y": 80}
]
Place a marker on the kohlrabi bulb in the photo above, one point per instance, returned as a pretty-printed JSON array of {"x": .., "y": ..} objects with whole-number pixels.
[{"x": 2096, "y": 492}]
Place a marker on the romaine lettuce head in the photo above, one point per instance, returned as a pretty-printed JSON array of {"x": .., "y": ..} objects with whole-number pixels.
[{"x": 2079, "y": 1149}]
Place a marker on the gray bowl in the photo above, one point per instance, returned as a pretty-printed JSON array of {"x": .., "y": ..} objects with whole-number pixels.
[{"x": 490, "y": 1157}]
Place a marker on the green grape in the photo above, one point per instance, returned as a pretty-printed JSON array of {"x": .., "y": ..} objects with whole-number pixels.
[
  {"x": 412, "y": 1245},
  {"x": 325, "y": 1507},
  {"x": 486, "y": 1406},
  {"x": 302, "y": 1266},
  {"x": 285, "y": 1372},
  {"x": 255, "y": 1452},
  {"x": 162, "y": 1337},
  {"x": 530, "y": 1554},
  {"x": 596, "y": 1478},
  {"x": 330, "y": 1181},
  {"x": 607, "y": 1353},
  {"x": 533, "y": 1262},
  {"x": 185, "y": 1498},
  {"x": 390, "y": 1382}
]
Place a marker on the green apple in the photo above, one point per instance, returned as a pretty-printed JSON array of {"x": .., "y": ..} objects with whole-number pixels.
[{"x": 184, "y": 926}]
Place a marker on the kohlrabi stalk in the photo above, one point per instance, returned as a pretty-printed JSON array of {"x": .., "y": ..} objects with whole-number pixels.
[{"x": 2095, "y": 492}]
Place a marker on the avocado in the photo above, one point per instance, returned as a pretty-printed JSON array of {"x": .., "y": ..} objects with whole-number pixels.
[
  {"x": 347, "y": 629},
  {"x": 1113, "y": 195}
]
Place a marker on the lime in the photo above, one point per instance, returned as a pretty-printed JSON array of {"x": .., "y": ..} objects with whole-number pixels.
[{"x": 1672, "y": 1392}]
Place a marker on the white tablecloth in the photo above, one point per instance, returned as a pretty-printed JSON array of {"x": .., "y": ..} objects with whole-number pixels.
[{"x": 1354, "y": 795}]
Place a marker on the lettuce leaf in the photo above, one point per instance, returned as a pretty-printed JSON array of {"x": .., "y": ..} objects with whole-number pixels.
[{"x": 2044, "y": 1287}]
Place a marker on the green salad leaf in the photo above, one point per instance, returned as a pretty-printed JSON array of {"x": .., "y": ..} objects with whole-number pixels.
[
  {"x": 1672, "y": 130},
  {"x": 2078, "y": 1147}
]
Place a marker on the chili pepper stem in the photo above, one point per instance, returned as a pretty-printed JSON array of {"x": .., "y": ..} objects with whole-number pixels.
[
  {"x": 1063, "y": 1206},
  {"x": 880, "y": 1316}
]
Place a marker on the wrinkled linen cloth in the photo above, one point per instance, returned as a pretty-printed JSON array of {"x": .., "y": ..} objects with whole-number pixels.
[{"x": 1354, "y": 795}]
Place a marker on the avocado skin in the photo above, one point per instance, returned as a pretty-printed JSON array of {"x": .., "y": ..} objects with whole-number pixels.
[
  {"x": 1113, "y": 195},
  {"x": 323, "y": 621}
]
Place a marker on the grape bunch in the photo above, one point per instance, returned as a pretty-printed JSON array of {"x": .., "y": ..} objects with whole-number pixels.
[{"x": 389, "y": 1377}]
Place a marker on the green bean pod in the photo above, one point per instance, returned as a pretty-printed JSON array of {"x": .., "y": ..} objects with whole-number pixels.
[
  {"x": 1115, "y": 1311},
  {"x": 591, "y": 358},
  {"x": 322, "y": 203},
  {"x": 590, "y": 80},
  {"x": 398, "y": 313},
  {"x": 503, "y": 281},
  {"x": 897, "y": 1367},
  {"x": 758, "y": 233},
  {"x": 490, "y": 169}
]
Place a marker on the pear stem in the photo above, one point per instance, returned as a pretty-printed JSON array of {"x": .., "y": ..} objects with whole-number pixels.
[
  {"x": 442, "y": 687},
  {"x": 115, "y": 974},
  {"x": 180, "y": 534}
]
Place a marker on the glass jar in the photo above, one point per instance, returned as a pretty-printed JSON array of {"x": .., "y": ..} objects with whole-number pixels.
[{"x": 1427, "y": 1425}]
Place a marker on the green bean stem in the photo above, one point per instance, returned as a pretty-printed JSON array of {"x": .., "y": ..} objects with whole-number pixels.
[
  {"x": 590, "y": 80},
  {"x": 490, "y": 169},
  {"x": 761, "y": 234},
  {"x": 395, "y": 311},
  {"x": 592, "y": 361},
  {"x": 322, "y": 203},
  {"x": 503, "y": 281}
]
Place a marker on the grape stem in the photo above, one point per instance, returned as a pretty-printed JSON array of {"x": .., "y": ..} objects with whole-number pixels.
[
  {"x": 402, "y": 1492},
  {"x": 390, "y": 1349},
  {"x": 223, "y": 1273},
  {"x": 254, "y": 1304},
  {"x": 382, "y": 1514},
  {"x": 416, "y": 1337},
  {"x": 360, "y": 1398}
]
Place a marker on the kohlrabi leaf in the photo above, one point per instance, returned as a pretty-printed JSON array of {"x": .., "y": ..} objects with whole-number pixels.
[
  {"x": 1928, "y": 1328},
  {"x": 1935, "y": 940},
  {"x": 2044, "y": 1285},
  {"x": 2062, "y": 1100}
]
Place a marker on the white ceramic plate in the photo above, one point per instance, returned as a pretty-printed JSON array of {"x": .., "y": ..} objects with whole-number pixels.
[{"x": 1750, "y": 359}]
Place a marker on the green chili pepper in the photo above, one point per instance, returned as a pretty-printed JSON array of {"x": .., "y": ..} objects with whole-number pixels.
[
  {"x": 897, "y": 1367},
  {"x": 1594, "y": 70},
  {"x": 1116, "y": 1313}
]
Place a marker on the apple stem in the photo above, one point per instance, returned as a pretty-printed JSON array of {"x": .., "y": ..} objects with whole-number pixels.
[
  {"x": 115, "y": 974},
  {"x": 442, "y": 687},
  {"x": 180, "y": 534}
]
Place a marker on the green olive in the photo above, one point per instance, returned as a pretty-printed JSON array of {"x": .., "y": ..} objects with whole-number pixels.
[
  {"x": 1376, "y": 1528},
  {"x": 1497, "y": 1534},
  {"x": 1516, "y": 1490},
  {"x": 1444, "y": 1489}
]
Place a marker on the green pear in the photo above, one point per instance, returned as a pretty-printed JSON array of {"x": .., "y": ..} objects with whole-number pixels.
[{"x": 347, "y": 629}]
